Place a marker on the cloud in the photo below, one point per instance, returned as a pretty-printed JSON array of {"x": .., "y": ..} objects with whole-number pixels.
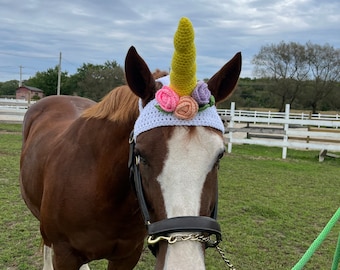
[{"x": 33, "y": 32}]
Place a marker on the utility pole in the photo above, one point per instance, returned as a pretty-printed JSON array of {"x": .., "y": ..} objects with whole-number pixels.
[
  {"x": 59, "y": 75},
  {"x": 20, "y": 81}
]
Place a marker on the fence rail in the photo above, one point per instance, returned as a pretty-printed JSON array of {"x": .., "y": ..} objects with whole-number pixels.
[
  {"x": 13, "y": 110},
  {"x": 285, "y": 130},
  {"x": 280, "y": 129},
  {"x": 257, "y": 115},
  {"x": 12, "y": 114},
  {"x": 15, "y": 102}
]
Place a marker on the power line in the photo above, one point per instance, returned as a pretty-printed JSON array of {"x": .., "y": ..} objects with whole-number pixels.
[
  {"x": 8, "y": 66},
  {"x": 28, "y": 56},
  {"x": 71, "y": 63},
  {"x": 16, "y": 67}
]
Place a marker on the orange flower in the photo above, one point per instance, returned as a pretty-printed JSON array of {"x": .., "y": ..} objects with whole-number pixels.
[{"x": 187, "y": 108}]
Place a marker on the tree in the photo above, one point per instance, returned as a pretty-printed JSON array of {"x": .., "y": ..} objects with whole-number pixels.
[
  {"x": 48, "y": 81},
  {"x": 8, "y": 88},
  {"x": 286, "y": 65},
  {"x": 324, "y": 75},
  {"x": 251, "y": 93},
  {"x": 305, "y": 74},
  {"x": 332, "y": 101},
  {"x": 94, "y": 81}
]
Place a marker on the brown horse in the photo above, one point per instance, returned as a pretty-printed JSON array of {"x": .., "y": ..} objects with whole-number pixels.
[{"x": 75, "y": 178}]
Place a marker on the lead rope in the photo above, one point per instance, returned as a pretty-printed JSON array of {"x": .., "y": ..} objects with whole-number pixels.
[{"x": 225, "y": 259}]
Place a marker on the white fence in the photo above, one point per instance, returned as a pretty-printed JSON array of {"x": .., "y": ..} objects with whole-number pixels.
[
  {"x": 286, "y": 130},
  {"x": 8, "y": 114},
  {"x": 269, "y": 115},
  {"x": 10, "y": 102},
  {"x": 13, "y": 110}
]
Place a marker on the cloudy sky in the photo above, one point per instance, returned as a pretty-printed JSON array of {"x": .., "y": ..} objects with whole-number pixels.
[{"x": 34, "y": 32}]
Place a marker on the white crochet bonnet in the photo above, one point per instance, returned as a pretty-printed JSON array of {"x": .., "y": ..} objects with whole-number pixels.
[{"x": 151, "y": 117}]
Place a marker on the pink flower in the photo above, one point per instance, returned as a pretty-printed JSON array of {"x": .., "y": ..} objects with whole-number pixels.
[
  {"x": 201, "y": 93},
  {"x": 187, "y": 108},
  {"x": 167, "y": 99}
]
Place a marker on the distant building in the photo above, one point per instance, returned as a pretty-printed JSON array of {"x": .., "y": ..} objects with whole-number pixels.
[{"x": 28, "y": 92}]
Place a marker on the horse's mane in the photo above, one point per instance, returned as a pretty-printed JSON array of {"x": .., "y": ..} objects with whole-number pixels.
[
  {"x": 159, "y": 73},
  {"x": 119, "y": 105}
]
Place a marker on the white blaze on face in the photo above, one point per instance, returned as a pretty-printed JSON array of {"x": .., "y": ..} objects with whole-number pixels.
[{"x": 190, "y": 158}]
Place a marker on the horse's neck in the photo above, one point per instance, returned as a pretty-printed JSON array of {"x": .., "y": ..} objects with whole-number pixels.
[
  {"x": 110, "y": 132},
  {"x": 105, "y": 148}
]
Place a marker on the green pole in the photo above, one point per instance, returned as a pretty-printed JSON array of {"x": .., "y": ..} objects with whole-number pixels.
[
  {"x": 336, "y": 256},
  {"x": 317, "y": 242}
]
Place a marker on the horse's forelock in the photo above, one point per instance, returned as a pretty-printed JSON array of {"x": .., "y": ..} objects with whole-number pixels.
[{"x": 159, "y": 73}]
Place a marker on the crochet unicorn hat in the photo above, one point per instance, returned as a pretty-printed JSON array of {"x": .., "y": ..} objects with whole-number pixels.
[
  {"x": 183, "y": 66},
  {"x": 184, "y": 102}
]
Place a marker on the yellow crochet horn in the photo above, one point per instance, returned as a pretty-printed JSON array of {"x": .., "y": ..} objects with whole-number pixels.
[{"x": 183, "y": 66}]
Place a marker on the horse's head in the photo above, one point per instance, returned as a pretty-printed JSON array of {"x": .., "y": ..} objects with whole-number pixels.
[{"x": 178, "y": 141}]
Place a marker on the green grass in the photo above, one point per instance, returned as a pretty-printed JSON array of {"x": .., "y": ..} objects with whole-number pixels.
[
  {"x": 273, "y": 208},
  {"x": 19, "y": 237},
  {"x": 10, "y": 127},
  {"x": 270, "y": 209}
]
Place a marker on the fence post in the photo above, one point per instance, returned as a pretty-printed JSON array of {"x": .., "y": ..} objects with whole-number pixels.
[
  {"x": 231, "y": 125},
  {"x": 285, "y": 136}
]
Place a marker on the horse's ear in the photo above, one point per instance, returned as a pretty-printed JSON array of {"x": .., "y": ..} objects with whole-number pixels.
[
  {"x": 224, "y": 81},
  {"x": 138, "y": 76}
]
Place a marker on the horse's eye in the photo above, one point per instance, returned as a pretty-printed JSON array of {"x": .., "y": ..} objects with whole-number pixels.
[
  {"x": 143, "y": 160},
  {"x": 221, "y": 155}
]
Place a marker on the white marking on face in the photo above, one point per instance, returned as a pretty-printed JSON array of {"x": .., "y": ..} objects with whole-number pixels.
[
  {"x": 188, "y": 162},
  {"x": 190, "y": 158}
]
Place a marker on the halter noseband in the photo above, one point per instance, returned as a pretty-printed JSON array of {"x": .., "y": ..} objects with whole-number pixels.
[{"x": 200, "y": 224}]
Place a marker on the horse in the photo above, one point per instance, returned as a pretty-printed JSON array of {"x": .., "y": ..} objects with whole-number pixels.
[{"x": 98, "y": 190}]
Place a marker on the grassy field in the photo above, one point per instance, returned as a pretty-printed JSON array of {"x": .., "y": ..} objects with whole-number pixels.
[{"x": 270, "y": 209}]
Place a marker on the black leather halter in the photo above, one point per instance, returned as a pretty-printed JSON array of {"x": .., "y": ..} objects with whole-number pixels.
[{"x": 200, "y": 224}]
